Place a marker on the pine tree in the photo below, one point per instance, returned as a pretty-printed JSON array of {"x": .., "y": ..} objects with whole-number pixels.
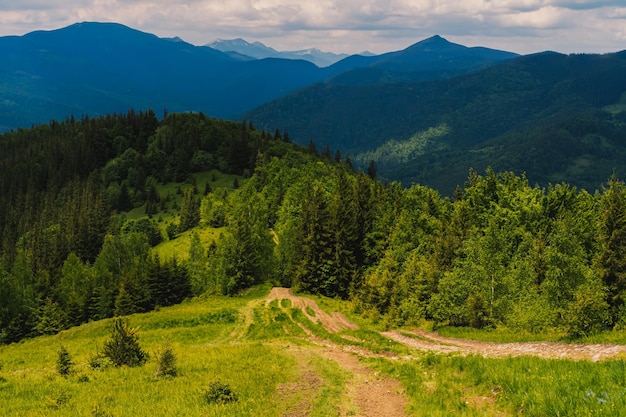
[
  {"x": 610, "y": 260},
  {"x": 189, "y": 211},
  {"x": 123, "y": 347},
  {"x": 64, "y": 362}
]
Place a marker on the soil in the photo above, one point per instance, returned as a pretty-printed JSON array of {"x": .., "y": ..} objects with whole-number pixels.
[
  {"x": 424, "y": 340},
  {"x": 371, "y": 394},
  {"x": 368, "y": 393}
]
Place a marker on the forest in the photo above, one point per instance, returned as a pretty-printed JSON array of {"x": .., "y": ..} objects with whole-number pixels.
[{"x": 499, "y": 253}]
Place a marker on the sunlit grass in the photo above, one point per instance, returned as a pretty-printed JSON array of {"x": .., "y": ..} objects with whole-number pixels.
[
  {"x": 179, "y": 248},
  {"x": 275, "y": 369}
]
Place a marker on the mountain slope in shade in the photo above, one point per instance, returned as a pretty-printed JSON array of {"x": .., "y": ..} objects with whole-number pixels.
[
  {"x": 554, "y": 116},
  {"x": 94, "y": 68},
  {"x": 97, "y": 68},
  {"x": 431, "y": 58}
]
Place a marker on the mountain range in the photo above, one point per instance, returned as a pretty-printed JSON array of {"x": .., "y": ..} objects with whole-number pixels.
[
  {"x": 556, "y": 117},
  {"x": 427, "y": 113},
  {"x": 97, "y": 68},
  {"x": 242, "y": 49}
]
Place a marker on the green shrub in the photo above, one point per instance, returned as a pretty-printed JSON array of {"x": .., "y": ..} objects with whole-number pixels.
[
  {"x": 123, "y": 347},
  {"x": 166, "y": 362},
  {"x": 588, "y": 313},
  {"x": 220, "y": 393},
  {"x": 64, "y": 362}
]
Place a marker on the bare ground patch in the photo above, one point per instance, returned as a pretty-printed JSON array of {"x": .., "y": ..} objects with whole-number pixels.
[{"x": 431, "y": 341}]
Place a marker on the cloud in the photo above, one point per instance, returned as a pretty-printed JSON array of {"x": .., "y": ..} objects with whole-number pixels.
[{"x": 345, "y": 25}]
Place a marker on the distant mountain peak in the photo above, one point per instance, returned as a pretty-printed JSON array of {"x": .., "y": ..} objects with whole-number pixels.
[{"x": 260, "y": 51}]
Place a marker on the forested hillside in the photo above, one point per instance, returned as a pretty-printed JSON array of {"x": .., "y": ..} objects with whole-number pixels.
[
  {"x": 98, "y": 68},
  {"x": 87, "y": 204},
  {"x": 555, "y": 117}
]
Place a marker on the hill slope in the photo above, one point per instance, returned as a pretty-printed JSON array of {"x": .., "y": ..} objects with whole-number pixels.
[
  {"x": 98, "y": 68},
  {"x": 267, "y": 350},
  {"x": 492, "y": 117}
]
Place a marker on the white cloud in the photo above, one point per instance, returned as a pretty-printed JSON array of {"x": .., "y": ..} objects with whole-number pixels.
[{"x": 346, "y": 25}]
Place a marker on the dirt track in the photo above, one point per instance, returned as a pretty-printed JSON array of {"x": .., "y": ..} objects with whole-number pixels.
[
  {"x": 433, "y": 342},
  {"x": 368, "y": 394},
  {"x": 373, "y": 395},
  {"x": 428, "y": 341}
]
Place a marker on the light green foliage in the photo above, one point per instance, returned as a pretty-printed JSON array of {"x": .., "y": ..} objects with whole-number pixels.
[
  {"x": 588, "y": 312},
  {"x": 397, "y": 152}
]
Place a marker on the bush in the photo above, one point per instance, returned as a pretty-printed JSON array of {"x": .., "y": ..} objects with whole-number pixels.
[
  {"x": 588, "y": 313},
  {"x": 166, "y": 361},
  {"x": 220, "y": 393},
  {"x": 64, "y": 362},
  {"x": 123, "y": 347}
]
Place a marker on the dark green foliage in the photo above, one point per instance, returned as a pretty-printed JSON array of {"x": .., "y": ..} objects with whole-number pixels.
[
  {"x": 166, "y": 362},
  {"x": 220, "y": 393},
  {"x": 501, "y": 253},
  {"x": 189, "y": 211},
  {"x": 146, "y": 226},
  {"x": 64, "y": 362},
  {"x": 123, "y": 347},
  {"x": 543, "y": 114}
]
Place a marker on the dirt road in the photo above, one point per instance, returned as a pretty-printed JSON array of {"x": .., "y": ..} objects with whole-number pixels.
[
  {"x": 371, "y": 394},
  {"x": 433, "y": 342},
  {"x": 368, "y": 393}
]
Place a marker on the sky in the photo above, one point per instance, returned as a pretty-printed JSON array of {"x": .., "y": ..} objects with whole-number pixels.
[{"x": 348, "y": 26}]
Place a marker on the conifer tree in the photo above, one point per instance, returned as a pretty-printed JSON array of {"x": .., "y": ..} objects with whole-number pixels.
[
  {"x": 189, "y": 211},
  {"x": 123, "y": 347},
  {"x": 64, "y": 361},
  {"x": 610, "y": 260}
]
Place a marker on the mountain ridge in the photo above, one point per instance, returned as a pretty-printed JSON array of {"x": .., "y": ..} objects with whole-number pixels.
[
  {"x": 92, "y": 68},
  {"x": 519, "y": 115},
  {"x": 259, "y": 50}
]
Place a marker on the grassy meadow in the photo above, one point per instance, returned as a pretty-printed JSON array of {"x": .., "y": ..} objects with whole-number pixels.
[{"x": 268, "y": 356}]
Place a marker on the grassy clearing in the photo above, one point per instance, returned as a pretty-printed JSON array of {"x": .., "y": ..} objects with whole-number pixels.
[
  {"x": 274, "y": 370},
  {"x": 444, "y": 385},
  {"x": 179, "y": 248}
]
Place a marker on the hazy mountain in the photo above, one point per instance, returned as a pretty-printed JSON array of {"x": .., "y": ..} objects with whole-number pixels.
[
  {"x": 259, "y": 51},
  {"x": 556, "y": 117},
  {"x": 95, "y": 68},
  {"x": 431, "y": 58}
]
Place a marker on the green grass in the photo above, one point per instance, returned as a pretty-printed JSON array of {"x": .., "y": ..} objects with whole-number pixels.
[
  {"x": 275, "y": 370},
  {"x": 445, "y": 385},
  {"x": 500, "y": 335},
  {"x": 179, "y": 248},
  {"x": 503, "y": 335}
]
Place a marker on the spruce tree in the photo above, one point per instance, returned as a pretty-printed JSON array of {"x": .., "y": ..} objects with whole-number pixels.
[
  {"x": 123, "y": 346},
  {"x": 610, "y": 260},
  {"x": 64, "y": 362}
]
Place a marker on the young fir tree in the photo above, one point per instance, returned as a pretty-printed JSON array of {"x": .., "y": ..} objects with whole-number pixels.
[
  {"x": 166, "y": 361},
  {"x": 64, "y": 362},
  {"x": 123, "y": 347}
]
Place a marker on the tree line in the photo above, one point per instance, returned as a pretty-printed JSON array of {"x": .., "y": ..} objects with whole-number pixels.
[{"x": 499, "y": 252}]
